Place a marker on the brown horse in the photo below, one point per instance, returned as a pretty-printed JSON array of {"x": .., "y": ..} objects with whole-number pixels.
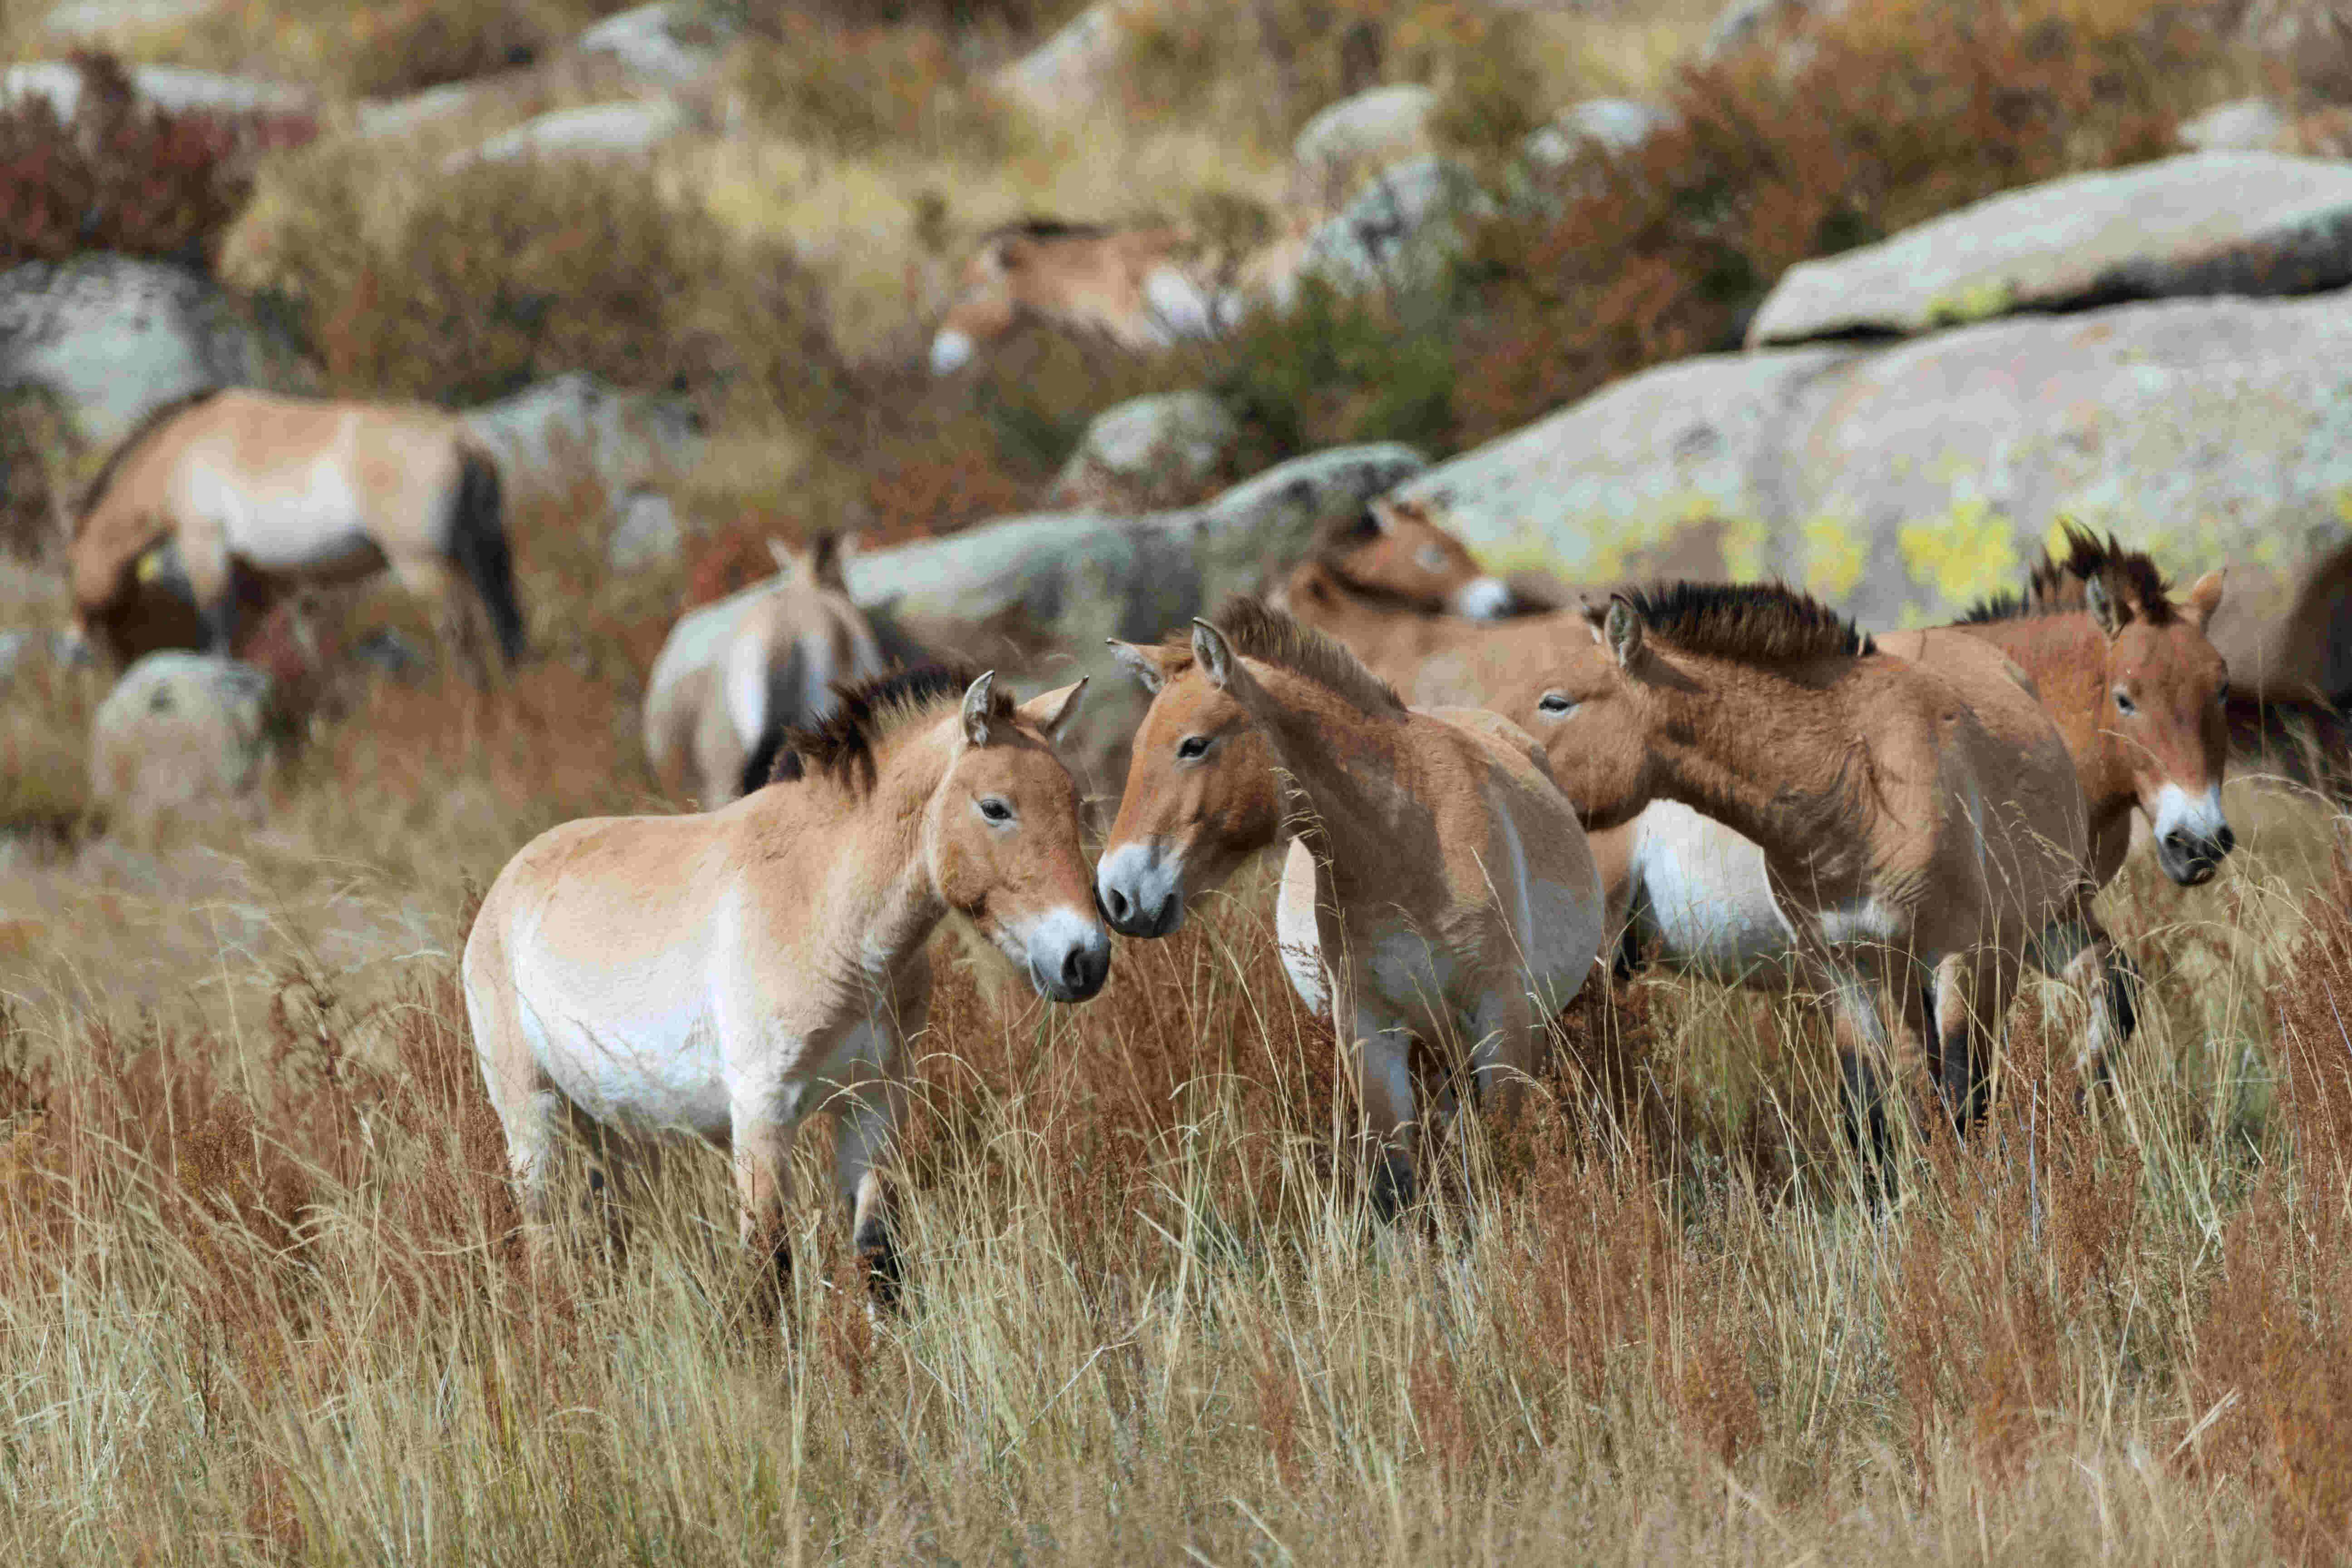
[
  {"x": 1458, "y": 898},
  {"x": 223, "y": 498},
  {"x": 721, "y": 722},
  {"x": 1919, "y": 825},
  {"x": 722, "y": 975},
  {"x": 1139, "y": 288},
  {"x": 1393, "y": 555}
]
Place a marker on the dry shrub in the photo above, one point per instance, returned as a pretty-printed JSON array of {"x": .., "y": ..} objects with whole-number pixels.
[
  {"x": 123, "y": 175},
  {"x": 852, "y": 90},
  {"x": 500, "y": 274},
  {"x": 385, "y": 48},
  {"x": 1898, "y": 112}
]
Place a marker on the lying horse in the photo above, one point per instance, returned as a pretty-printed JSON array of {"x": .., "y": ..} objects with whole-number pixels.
[
  {"x": 227, "y": 497},
  {"x": 1919, "y": 824},
  {"x": 1393, "y": 554},
  {"x": 722, "y": 975},
  {"x": 1139, "y": 288},
  {"x": 1458, "y": 898},
  {"x": 723, "y": 723}
]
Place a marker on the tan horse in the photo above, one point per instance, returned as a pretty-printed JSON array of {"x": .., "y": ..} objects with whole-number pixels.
[
  {"x": 225, "y": 498},
  {"x": 723, "y": 975},
  {"x": 1458, "y": 898},
  {"x": 1140, "y": 287},
  {"x": 1393, "y": 555},
  {"x": 1919, "y": 825},
  {"x": 719, "y": 725}
]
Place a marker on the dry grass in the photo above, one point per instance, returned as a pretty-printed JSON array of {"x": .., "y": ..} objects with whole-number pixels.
[{"x": 261, "y": 1302}]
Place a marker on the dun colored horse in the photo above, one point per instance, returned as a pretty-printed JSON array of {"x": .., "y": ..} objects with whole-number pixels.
[
  {"x": 227, "y": 497},
  {"x": 1140, "y": 287},
  {"x": 723, "y": 975},
  {"x": 1392, "y": 555},
  {"x": 1920, "y": 824},
  {"x": 722, "y": 723},
  {"x": 1457, "y": 897}
]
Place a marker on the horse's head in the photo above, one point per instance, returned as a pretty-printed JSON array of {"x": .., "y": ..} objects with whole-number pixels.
[
  {"x": 1013, "y": 272},
  {"x": 2162, "y": 703},
  {"x": 1393, "y": 549},
  {"x": 1201, "y": 797},
  {"x": 1592, "y": 707},
  {"x": 1001, "y": 835}
]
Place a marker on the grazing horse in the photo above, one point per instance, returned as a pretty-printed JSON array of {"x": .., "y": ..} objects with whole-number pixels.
[
  {"x": 1140, "y": 287},
  {"x": 1920, "y": 824},
  {"x": 227, "y": 497},
  {"x": 1393, "y": 554},
  {"x": 1458, "y": 896},
  {"x": 722, "y": 723},
  {"x": 722, "y": 975}
]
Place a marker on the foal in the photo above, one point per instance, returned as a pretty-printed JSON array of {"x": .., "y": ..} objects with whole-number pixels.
[
  {"x": 1919, "y": 824},
  {"x": 722, "y": 975},
  {"x": 1456, "y": 887}
]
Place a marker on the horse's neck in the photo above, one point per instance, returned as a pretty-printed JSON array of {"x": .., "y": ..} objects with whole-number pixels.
[
  {"x": 873, "y": 920},
  {"x": 2066, "y": 655},
  {"x": 1781, "y": 762},
  {"x": 1343, "y": 766}
]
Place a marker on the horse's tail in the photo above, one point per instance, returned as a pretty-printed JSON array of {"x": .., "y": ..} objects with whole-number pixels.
[{"x": 477, "y": 542}]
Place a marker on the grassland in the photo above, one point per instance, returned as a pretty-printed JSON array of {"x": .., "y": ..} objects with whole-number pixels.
[{"x": 260, "y": 1301}]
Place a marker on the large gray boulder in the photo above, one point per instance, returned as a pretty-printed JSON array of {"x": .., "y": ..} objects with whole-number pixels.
[
  {"x": 1607, "y": 125},
  {"x": 1071, "y": 72},
  {"x": 179, "y": 731},
  {"x": 673, "y": 42},
  {"x": 625, "y": 129},
  {"x": 546, "y": 435},
  {"x": 2201, "y": 223},
  {"x": 1400, "y": 229},
  {"x": 109, "y": 338},
  {"x": 2240, "y": 125},
  {"x": 175, "y": 88},
  {"x": 1906, "y": 482},
  {"x": 1373, "y": 129},
  {"x": 1147, "y": 453},
  {"x": 1036, "y": 596},
  {"x": 111, "y": 18}
]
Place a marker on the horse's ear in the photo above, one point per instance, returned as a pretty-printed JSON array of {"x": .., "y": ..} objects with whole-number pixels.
[
  {"x": 2110, "y": 614},
  {"x": 1142, "y": 663},
  {"x": 825, "y": 559},
  {"x": 1381, "y": 515},
  {"x": 1051, "y": 713},
  {"x": 1213, "y": 655},
  {"x": 2204, "y": 599},
  {"x": 1622, "y": 631},
  {"x": 788, "y": 560},
  {"x": 978, "y": 697}
]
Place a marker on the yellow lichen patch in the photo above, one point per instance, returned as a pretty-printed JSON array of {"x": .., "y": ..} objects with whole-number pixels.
[
  {"x": 1969, "y": 553},
  {"x": 1835, "y": 553}
]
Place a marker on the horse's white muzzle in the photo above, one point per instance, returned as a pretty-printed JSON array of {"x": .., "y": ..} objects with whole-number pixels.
[
  {"x": 951, "y": 352},
  {"x": 1066, "y": 953},
  {"x": 1141, "y": 886},
  {"x": 1483, "y": 599},
  {"x": 2192, "y": 836}
]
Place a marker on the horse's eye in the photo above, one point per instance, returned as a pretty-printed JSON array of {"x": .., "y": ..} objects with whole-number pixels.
[
  {"x": 2123, "y": 704},
  {"x": 1555, "y": 703},
  {"x": 1433, "y": 559},
  {"x": 1191, "y": 747},
  {"x": 995, "y": 810}
]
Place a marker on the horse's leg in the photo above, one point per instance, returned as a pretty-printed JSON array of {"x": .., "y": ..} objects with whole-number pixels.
[
  {"x": 1865, "y": 1053},
  {"x": 428, "y": 577},
  {"x": 1504, "y": 1055},
  {"x": 762, "y": 1126},
  {"x": 212, "y": 580},
  {"x": 1971, "y": 1002},
  {"x": 1380, "y": 1062},
  {"x": 2078, "y": 949},
  {"x": 866, "y": 1116}
]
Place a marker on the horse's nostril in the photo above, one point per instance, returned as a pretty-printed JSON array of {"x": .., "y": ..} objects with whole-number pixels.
[
  {"x": 1083, "y": 969},
  {"x": 2225, "y": 840},
  {"x": 1115, "y": 905}
]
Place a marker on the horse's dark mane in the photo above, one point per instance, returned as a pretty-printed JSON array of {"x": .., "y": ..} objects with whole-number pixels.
[
  {"x": 2054, "y": 586},
  {"x": 156, "y": 419},
  {"x": 841, "y": 746},
  {"x": 1255, "y": 631},
  {"x": 1034, "y": 225},
  {"x": 1761, "y": 623}
]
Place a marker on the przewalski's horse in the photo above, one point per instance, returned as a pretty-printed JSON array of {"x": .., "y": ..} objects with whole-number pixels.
[
  {"x": 236, "y": 494},
  {"x": 1140, "y": 287},
  {"x": 1392, "y": 554},
  {"x": 722, "y": 975},
  {"x": 720, "y": 725},
  {"x": 1458, "y": 898},
  {"x": 1919, "y": 827}
]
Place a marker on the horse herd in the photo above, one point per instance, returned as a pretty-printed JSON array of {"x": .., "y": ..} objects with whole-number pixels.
[
  {"x": 1483, "y": 802},
  {"x": 1727, "y": 779}
]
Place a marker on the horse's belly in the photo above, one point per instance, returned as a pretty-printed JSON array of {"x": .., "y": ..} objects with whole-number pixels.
[
  {"x": 646, "y": 1068},
  {"x": 278, "y": 545}
]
